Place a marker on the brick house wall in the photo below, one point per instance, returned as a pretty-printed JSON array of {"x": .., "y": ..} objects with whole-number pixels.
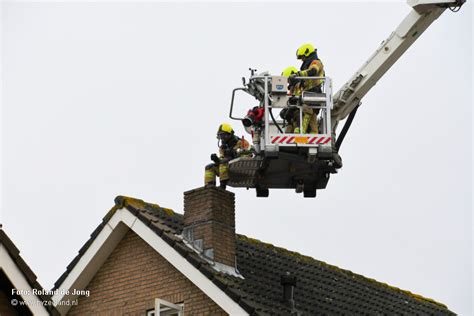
[{"x": 132, "y": 277}]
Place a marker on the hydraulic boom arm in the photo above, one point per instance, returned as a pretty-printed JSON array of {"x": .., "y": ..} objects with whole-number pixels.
[{"x": 418, "y": 20}]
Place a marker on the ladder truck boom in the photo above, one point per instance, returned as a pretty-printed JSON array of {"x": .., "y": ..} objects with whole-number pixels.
[
  {"x": 286, "y": 156},
  {"x": 424, "y": 12}
]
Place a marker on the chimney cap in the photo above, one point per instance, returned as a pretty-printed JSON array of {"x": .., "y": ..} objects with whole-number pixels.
[{"x": 288, "y": 279}]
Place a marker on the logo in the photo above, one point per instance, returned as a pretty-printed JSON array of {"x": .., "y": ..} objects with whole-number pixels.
[{"x": 279, "y": 87}]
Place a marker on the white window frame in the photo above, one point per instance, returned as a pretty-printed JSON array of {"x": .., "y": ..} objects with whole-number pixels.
[{"x": 165, "y": 308}]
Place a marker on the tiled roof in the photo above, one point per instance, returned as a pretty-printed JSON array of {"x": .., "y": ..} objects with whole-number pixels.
[
  {"x": 321, "y": 289},
  {"x": 25, "y": 270}
]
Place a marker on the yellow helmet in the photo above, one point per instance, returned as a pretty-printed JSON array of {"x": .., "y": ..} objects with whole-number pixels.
[
  {"x": 304, "y": 50},
  {"x": 289, "y": 71},
  {"x": 225, "y": 128}
]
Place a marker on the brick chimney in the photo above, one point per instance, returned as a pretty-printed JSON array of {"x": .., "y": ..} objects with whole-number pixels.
[{"x": 209, "y": 223}]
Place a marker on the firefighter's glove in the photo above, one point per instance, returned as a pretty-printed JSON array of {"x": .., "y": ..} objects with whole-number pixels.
[
  {"x": 292, "y": 112},
  {"x": 215, "y": 158},
  {"x": 292, "y": 79},
  {"x": 293, "y": 100}
]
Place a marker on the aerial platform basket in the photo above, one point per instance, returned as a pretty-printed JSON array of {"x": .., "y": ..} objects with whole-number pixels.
[{"x": 286, "y": 160}]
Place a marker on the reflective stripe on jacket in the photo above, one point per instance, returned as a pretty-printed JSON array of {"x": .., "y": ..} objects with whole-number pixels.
[{"x": 315, "y": 69}]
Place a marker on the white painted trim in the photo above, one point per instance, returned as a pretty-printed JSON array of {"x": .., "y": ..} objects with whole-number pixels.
[
  {"x": 167, "y": 308},
  {"x": 19, "y": 282},
  {"x": 107, "y": 240},
  {"x": 88, "y": 265}
]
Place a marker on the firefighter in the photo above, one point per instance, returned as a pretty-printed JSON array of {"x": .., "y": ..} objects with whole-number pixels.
[
  {"x": 230, "y": 147},
  {"x": 292, "y": 115},
  {"x": 311, "y": 67}
]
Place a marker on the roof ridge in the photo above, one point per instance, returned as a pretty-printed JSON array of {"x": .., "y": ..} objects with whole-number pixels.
[
  {"x": 308, "y": 259},
  {"x": 124, "y": 201}
]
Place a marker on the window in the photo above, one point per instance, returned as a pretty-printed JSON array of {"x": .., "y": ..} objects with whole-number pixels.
[{"x": 164, "y": 308}]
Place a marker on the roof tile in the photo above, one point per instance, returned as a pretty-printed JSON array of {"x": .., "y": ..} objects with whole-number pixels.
[
  {"x": 196, "y": 260},
  {"x": 207, "y": 271},
  {"x": 169, "y": 238},
  {"x": 182, "y": 249}
]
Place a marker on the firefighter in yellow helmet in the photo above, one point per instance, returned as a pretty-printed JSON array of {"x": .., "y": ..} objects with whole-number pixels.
[
  {"x": 230, "y": 147},
  {"x": 288, "y": 71},
  {"x": 311, "y": 67},
  {"x": 292, "y": 115}
]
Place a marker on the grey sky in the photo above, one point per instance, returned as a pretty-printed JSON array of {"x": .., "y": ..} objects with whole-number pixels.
[{"x": 103, "y": 99}]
